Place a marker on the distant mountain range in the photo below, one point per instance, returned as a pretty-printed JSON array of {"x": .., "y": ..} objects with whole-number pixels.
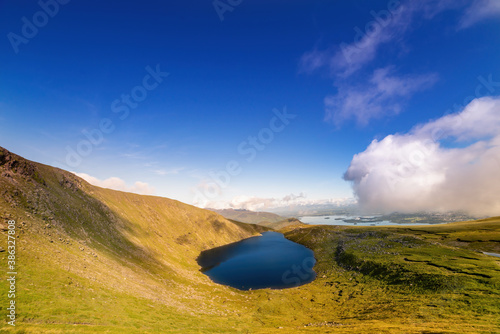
[
  {"x": 250, "y": 217},
  {"x": 346, "y": 207},
  {"x": 266, "y": 219}
]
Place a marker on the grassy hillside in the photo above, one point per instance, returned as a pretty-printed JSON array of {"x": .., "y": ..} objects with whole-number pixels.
[
  {"x": 93, "y": 260},
  {"x": 418, "y": 279},
  {"x": 250, "y": 217},
  {"x": 76, "y": 240}
]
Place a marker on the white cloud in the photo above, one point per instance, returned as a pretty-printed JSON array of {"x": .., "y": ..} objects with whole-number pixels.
[
  {"x": 259, "y": 204},
  {"x": 386, "y": 25},
  {"x": 118, "y": 184},
  {"x": 480, "y": 10},
  {"x": 385, "y": 92},
  {"x": 366, "y": 101},
  {"x": 391, "y": 25},
  {"x": 290, "y": 201},
  {"x": 172, "y": 171},
  {"x": 142, "y": 188},
  {"x": 415, "y": 171},
  {"x": 381, "y": 96},
  {"x": 348, "y": 58}
]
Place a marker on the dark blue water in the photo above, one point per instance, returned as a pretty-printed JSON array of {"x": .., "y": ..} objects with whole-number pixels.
[{"x": 267, "y": 261}]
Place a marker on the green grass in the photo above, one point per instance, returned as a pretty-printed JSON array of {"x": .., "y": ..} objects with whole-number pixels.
[
  {"x": 381, "y": 279},
  {"x": 447, "y": 285}
]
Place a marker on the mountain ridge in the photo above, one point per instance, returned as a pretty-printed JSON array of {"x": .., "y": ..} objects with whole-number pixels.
[{"x": 249, "y": 217}]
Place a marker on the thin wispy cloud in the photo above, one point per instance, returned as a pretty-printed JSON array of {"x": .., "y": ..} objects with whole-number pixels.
[
  {"x": 416, "y": 172},
  {"x": 385, "y": 92},
  {"x": 383, "y": 95},
  {"x": 134, "y": 155},
  {"x": 387, "y": 25},
  {"x": 480, "y": 10},
  {"x": 171, "y": 171}
]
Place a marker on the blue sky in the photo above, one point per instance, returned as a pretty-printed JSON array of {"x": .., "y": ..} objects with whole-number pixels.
[{"x": 349, "y": 72}]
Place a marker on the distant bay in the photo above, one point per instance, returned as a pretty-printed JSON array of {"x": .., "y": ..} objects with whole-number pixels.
[{"x": 349, "y": 220}]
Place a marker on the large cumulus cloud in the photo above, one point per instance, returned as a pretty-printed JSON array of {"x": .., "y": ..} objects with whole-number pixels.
[{"x": 452, "y": 163}]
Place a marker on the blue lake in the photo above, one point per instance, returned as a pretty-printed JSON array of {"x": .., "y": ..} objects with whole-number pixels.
[{"x": 266, "y": 261}]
